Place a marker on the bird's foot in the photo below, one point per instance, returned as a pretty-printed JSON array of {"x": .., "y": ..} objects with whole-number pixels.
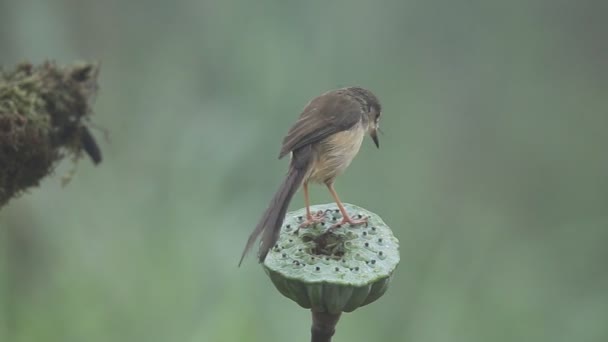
[
  {"x": 350, "y": 221},
  {"x": 313, "y": 219}
]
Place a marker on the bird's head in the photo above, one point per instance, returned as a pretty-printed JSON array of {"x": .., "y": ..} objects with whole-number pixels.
[
  {"x": 374, "y": 123},
  {"x": 372, "y": 109}
]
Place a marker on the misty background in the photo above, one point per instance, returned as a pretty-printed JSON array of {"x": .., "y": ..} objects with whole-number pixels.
[{"x": 492, "y": 170}]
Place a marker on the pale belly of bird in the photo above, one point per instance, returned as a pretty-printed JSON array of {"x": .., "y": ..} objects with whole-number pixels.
[{"x": 335, "y": 153}]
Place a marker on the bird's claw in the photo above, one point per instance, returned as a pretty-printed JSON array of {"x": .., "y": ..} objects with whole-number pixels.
[
  {"x": 313, "y": 219},
  {"x": 350, "y": 221}
]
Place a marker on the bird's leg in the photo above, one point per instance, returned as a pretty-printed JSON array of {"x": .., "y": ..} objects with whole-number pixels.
[
  {"x": 311, "y": 218},
  {"x": 345, "y": 217}
]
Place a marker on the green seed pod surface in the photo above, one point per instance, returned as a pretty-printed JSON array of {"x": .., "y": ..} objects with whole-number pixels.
[{"x": 333, "y": 269}]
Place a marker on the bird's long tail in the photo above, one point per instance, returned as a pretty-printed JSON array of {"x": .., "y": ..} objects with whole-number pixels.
[{"x": 272, "y": 220}]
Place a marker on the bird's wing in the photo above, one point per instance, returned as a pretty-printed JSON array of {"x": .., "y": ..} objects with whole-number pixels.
[{"x": 322, "y": 117}]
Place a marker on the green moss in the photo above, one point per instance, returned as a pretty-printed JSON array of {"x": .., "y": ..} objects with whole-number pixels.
[
  {"x": 333, "y": 270},
  {"x": 42, "y": 114}
]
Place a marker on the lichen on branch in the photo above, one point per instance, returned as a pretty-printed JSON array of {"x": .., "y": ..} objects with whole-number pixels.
[{"x": 43, "y": 111}]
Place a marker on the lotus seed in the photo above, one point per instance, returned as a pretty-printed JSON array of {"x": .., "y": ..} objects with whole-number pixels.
[
  {"x": 317, "y": 268},
  {"x": 379, "y": 240},
  {"x": 367, "y": 244},
  {"x": 357, "y": 268},
  {"x": 373, "y": 261},
  {"x": 380, "y": 253},
  {"x": 359, "y": 216},
  {"x": 374, "y": 228},
  {"x": 364, "y": 233},
  {"x": 337, "y": 269},
  {"x": 284, "y": 255}
]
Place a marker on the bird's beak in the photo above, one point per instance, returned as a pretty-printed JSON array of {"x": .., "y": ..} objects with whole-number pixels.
[{"x": 374, "y": 135}]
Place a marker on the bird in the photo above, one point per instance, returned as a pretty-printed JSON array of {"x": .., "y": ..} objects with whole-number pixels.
[{"x": 322, "y": 144}]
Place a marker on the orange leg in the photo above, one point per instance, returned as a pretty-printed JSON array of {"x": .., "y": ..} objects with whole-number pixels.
[
  {"x": 345, "y": 217},
  {"x": 307, "y": 201},
  {"x": 310, "y": 218}
]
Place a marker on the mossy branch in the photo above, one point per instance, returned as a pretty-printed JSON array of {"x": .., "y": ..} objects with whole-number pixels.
[{"x": 42, "y": 114}]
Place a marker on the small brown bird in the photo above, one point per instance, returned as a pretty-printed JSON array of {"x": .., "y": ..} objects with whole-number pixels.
[{"x": 323, "y": 142}]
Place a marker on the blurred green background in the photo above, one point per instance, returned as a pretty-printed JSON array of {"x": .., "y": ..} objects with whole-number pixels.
[{"x": 493, "y": 170}]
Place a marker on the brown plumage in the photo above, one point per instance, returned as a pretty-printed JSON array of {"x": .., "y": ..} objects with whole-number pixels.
[{"x": 322, "y": 143}]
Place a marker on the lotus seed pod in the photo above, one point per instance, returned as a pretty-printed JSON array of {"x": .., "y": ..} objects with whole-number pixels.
[{"x": 336, "y": 269}]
